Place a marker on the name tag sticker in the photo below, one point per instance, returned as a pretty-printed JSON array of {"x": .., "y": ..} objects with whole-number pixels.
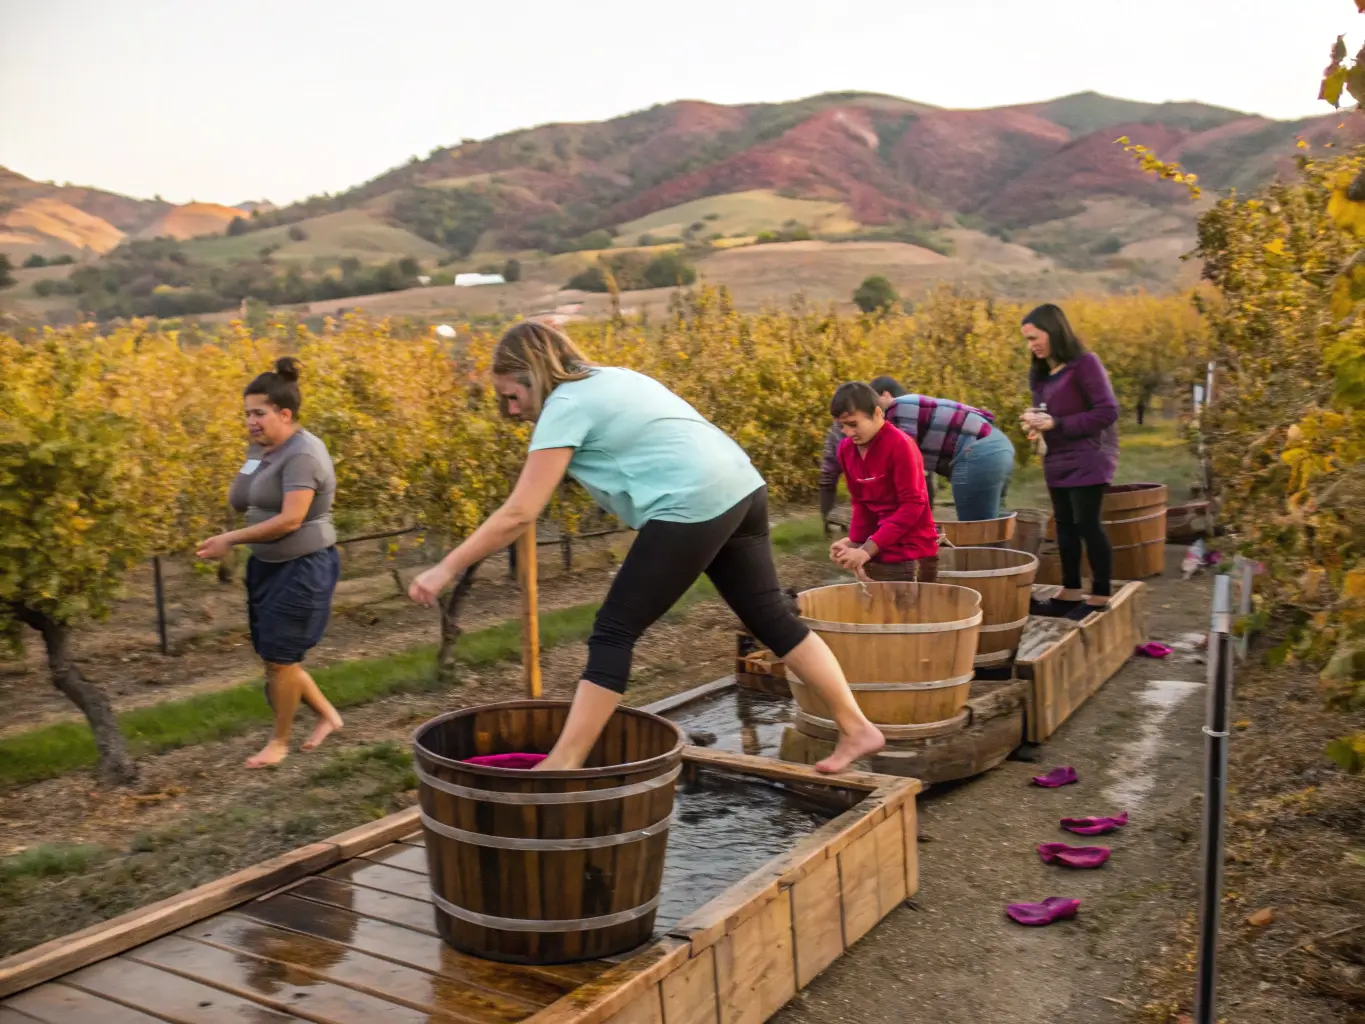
[{"x": 250, "y": 466}]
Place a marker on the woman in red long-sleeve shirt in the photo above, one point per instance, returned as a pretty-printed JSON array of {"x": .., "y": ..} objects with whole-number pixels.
[{"x": 891, "y": 536}]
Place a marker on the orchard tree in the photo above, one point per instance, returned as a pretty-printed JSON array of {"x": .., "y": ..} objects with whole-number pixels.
[{"x": 876, "y": 294}]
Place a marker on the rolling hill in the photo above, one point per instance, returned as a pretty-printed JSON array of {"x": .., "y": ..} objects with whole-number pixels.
[{"x": 1044, "y": 177}]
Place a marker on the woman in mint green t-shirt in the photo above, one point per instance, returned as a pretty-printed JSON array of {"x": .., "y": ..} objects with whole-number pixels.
[{"x": 697, "y": 502}]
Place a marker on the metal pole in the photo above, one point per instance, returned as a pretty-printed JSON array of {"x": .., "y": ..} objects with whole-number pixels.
[
  {"x": 1215, "y": 797},
  {"x": 160, "y": 603}
]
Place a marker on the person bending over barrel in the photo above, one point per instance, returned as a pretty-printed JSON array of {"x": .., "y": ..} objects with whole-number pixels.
[
  {"x": 286, "y": 488},
  {"x": 958, "y": 442},
  {"x": 697, "y": 502},
  {"x": 891, "y": 536}
]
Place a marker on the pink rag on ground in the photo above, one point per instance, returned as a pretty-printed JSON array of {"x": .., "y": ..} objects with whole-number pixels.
[
  {"x": 1152, "y": 649},
  {"x": 506, "y": 760},
  {"x": 1054, "y": 908},
  {"x": 1094, "y": 826},
  {"x": 1063, "y": 776},
  {"x": 1073, "y": 856}
]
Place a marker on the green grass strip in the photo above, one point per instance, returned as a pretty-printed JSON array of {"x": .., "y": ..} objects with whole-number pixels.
[{"x": 54, "y": 750}]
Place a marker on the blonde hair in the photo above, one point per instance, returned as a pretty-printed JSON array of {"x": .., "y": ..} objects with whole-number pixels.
[{"x": 540, "y": 358}]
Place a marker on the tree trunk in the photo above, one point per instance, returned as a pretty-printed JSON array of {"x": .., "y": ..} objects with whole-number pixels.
[
  {"x": 446, "y": 672},
  {"x": 115, "y": 766}
]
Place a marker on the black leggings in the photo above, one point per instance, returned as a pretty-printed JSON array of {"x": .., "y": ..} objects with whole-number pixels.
[
  {"x": 666, "y": 559},
  {"x": 1076, "y": 511}
]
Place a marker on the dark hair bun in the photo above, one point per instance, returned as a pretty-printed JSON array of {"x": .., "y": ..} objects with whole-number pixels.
[{"x": 287, "y": 367}]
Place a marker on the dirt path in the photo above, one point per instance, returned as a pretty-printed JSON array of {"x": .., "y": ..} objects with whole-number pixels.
[{"x": 953, "y": 957}]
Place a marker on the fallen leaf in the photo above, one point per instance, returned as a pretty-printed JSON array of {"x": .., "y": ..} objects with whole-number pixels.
[
  {"x": 1357, "y": 858},
  {"x": 1245, "y": 723},
  {"x": 1262, "y": 917}
]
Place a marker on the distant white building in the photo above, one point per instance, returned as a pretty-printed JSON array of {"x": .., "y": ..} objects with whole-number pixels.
[{"x": 470, "y": 280}]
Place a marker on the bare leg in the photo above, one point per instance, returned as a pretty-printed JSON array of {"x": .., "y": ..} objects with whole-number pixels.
[
  {"x": 815, "y": 665},
  {"x": 592, "y": 707},
  {"x": 1070, "y": 595},
  {"x": 285, "y": 691},
  {"x": 328, "y": 719}
]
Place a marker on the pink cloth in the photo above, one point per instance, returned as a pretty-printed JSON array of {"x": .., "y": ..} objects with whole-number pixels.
[
  {"x": 1152, "y": 649},
  {"x": 1094, "y": 826},
  {"x": 1054, "y": 908},
  {"x": 1073, "y": 856},
  {"x": 1063, "y": 776},
  {"x": 506, "y": 760}
]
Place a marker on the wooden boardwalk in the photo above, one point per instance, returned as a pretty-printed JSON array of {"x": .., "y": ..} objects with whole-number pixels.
[{"x": 343, "y": 932}]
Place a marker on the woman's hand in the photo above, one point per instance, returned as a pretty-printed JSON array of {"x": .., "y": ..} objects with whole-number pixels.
[
  {"x": 428, "y": 586},
  {"x": 1037, "y": 421},
  {"x": 837, "y": 549},
  {"x": 215, "y": 547}
]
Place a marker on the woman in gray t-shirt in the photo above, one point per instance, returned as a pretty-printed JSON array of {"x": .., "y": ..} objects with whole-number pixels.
[{"x": 285, "y": 487}]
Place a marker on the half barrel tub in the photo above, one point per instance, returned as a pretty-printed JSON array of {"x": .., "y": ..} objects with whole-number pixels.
[
  {"x": 545, "y": 867},
  {"x": 1134, "y": 519},
  {"x": 1004, "y": 579},
  {"x": 977, "y": 532},
  {"x": 907, "y": 649}
]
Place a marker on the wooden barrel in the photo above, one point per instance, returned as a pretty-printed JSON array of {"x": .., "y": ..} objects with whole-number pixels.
[
  {"x": 1004, "y": 579},
  {"x": 1030, "y": 526},
  {"x": 906, "y": 648},
  {"x": 977, "y": 532},
  {"x": 545, "y": 867},
  {"x": 1134, "y": 519}
]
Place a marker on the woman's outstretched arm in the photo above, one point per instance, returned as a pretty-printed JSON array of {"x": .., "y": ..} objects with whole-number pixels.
[{"x": 540, "y": 476}]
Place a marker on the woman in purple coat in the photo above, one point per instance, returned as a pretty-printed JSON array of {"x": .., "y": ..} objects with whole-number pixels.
[{"x": 1075, "y": 412}]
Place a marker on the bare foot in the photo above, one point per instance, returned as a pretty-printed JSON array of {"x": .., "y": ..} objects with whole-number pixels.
[
  {"x": 851, "y": 747},
  {"x": 555, "y": 764},
  {"x": 321, "y": 731},
  {"x": 271, "y": 754}
]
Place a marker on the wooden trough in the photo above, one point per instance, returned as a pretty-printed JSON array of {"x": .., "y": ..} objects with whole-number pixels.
[
  {"x": 343, "y": 931},
  {"x": 1060, "y": 663}
]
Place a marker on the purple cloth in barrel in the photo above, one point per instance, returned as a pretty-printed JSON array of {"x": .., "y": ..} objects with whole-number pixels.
[
  {"x": 506, "y": 760},
  {"x": 1073, "y": 856},
  {"x": 1083, "y": 445},
  {"x": 1054, "y": 908},
  {"x": 1094, "y": 826},
  {"x": 1063, "y": 776}
]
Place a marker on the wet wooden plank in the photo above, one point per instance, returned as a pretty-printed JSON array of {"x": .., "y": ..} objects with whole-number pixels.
[
  {"x": 308, "y": 954},
  {"x": 270, "y": 984},
  {"x": 56, "y": 1003},
  {"x": 400, "y": 855},
  {"x": 407, "y": 947},
  {"x": 755, "y": 969},
  {"x": 677, "y": 700},
  {"x": 381, "y": 877},
  {"x": 780, "y": 771},
  {"x": 47, "y": 961},
  {"x": 419, "y": 915},
  {"x": 618, "y": 988},
  {"x": 689, "y": 993},
  {"x": 172, "y": 997},
  {"x": 8, "y": 1016},
  {"x": 817, "y": 921},
  {"x": 910, "y": 815}
]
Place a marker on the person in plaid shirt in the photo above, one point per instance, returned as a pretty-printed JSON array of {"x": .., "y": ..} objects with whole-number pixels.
[{"x": 957, "y": 442}]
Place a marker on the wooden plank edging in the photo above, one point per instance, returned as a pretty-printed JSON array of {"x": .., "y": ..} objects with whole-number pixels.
[{"x": 119, "y": 934}]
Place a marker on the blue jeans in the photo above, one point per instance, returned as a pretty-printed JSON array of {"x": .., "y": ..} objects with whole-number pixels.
[{"x": 981, "y": 475}]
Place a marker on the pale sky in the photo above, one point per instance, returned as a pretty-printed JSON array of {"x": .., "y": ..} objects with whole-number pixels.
[{"x": 246, "y": 99}]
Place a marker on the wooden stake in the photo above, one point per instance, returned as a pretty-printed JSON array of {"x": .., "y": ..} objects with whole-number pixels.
[{"x": 530, "y": 618}]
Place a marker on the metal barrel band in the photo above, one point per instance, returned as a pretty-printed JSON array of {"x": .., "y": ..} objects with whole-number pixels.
[
  {"x": 1134, "y": 519},
  {"x": 1140, "y": 544},
  {"x": 521, "y": 924},
  {"x": 1012, "y": 570},
  {"x": 993, "y": 658},
  {"x": 586, "y": 796},
  {"x": 1003, "y": 627},
  {"x": 937, "y": 684},
  {"x": 871, "y": 628},
  {"x": 925, "y": 730},
  {"x": 544, "y": 845}
]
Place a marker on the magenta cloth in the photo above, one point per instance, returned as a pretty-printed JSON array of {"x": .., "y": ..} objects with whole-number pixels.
[
  {"x": 1054, "y": 908},
  {"x": 506, "y": 760},
  {"x": 1094, "y": 826},
  {"x": 1063, "y": 776},
  {"x": 1073, "y": 856},
  {"x": 1152, "y": 649}
]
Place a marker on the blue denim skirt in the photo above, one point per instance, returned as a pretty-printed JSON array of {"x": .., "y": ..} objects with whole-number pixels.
[{"x": 288, "y": 604}]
